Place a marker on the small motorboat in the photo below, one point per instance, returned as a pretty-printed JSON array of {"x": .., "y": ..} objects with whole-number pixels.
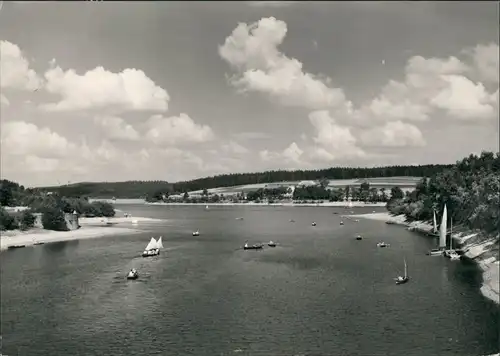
[
  {"x": 341, "y": 223},
  {"x": 252, "y": 247},
  {"x": 382, "y": 244},
  {"x": 313, "y": 224},
  {"x": 435, "y": 252},
  {"x": 133, "y": 274},
  {"x": 15, "y": 246},
  {"x": 196, "y": 233},
  {"x": 271, "y": 244},
  {"x": 359, "y": 237}
]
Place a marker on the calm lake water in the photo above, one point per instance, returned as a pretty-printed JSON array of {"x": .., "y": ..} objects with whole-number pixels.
[{"x": 320, "y": 292}]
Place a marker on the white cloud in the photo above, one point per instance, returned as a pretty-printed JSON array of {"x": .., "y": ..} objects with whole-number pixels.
[
  {"x": 177, "y": 130},
  {"x": 99, "y": 88},
  {"x": 116, "y": 128},
  {"x": 251, "y": 135},
  {"x": 253, "y": 51},
  {"x": 463, "y": 99},
  {"x": 233, "y": 147},
  {"x": 394, "y": 134},
  {"x": 486, "y": 60},
  {"x": 333, "y": 141},
  {"x": 4, "y": 101},
  {"x": 293, "y": 153},
  {"x": 14, "y": 69},
  {"x": 20, "y": 138}
]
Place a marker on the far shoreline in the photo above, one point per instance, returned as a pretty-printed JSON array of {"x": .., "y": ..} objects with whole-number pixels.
[{"x": 288, "y": 204}]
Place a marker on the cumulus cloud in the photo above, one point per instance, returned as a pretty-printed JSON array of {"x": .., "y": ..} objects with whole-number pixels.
[
  {"x": 293, "y": 153},
  {"x": 99, "y": 88},
  {"x": 15, "y": 72},
  {"x": 116, "y": 128},
  {"x": 252, "y": 50},
  {"x": 174, "y": 130},
  {"x": 20, "y": 138},
  {"x": 333, "y": 141},
  {"x": 486, "y": 60},
  {"x": 233, "y": 147},
  {"x": 394, "y": 134}
]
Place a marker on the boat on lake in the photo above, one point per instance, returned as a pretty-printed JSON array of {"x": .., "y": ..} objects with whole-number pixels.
[
  {"x": 271, "y": 244},
  {"x": 382, "y": 244},
  {"x": 15, "y": 246},
  {"x": 405, "y": 278},
  {"x": 196, "y": 233},
  {"x": 359, "y": 237},
  {"x": 313, "y": 224},
  {"x": 252, "y": 247},
  {"x": 133, "y": 274},
  {"x": 442, "y": 235},
  {"x": 153, "y": 248}
]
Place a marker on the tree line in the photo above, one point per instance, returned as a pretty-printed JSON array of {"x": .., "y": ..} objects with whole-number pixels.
[
  {"x": 148, "y": 189},
  {"x": 470, "y": 189},
  {"x": 52, "y": 206}
]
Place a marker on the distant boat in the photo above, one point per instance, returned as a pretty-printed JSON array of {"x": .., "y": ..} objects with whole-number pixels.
[
  {"x": 133, "y": 274},
  {"x": 206, "y": 207},
  {"x": 15, "y": 246},
  {"x": 356, "y": 220},
  {"x": 271, "y": 244},
  {"x": 359, "y": 237},
  {"x": 313, "y": 224},
  {"x": 390, "y": 222},
  {"x": 152, "y": 248},
  {"x": 405, "y": 278},
  {"x": 196, "y": 233},
  {"x": 341, "y": 222},
  {"x": 240, "y": 218},
  {"x": 382, "y": 244},
  {"x": 252, "y": 247},
  {"x": 291, "y": 220}
]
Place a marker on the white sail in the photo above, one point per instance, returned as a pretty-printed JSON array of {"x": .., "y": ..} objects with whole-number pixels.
[
  {"x": 442, "y": 230},
  {"x": 151, "y": 245},
  {"x": 434, "y": 222},
  {"x": 406, "y": 269},
  {"x": 159, "y": 243}
]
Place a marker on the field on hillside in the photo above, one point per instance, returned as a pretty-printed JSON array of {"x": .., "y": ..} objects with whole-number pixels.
[{"x": 384, "y": 182}]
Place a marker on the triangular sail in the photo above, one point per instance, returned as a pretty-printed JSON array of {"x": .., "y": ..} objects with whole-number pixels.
[
  {"x": 151, "y": 245},
  {"x": 434, "y": 222},
  {"x": 442, "y": 231},
  {"x": 159, "y": 243}
]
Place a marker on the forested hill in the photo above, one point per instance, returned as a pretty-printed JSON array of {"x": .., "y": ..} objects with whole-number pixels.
[{"x": 142, "y": 189}]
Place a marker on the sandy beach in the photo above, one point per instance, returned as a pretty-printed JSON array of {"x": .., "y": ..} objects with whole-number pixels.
[
  {"x": 90, "y": 228},
  {"x": 340, "y": 204},
  {"x": 490, "y": 266}
]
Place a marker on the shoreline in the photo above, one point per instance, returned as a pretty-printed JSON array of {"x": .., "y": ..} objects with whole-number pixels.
[
  {"x": 490, "y": 266},
  {"x": 90, "y": 228},
  {"x": 339, "y": 204}
]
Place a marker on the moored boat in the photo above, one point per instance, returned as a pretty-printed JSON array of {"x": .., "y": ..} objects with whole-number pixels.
[{"x": 15, "y": 246}]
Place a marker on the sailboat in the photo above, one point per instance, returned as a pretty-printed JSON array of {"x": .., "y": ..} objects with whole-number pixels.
[
  {"x": 434, "y": 225},
  {"x": 442, "y": 235},
  {"x": 405, "y": 278},
  {"x": 133, "y": 274},
  {"x": 451, "y": 253},
  {"x": 152, "y": 248}
]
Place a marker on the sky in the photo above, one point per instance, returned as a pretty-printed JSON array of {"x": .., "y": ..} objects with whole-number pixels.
[{"x": 97, "y": 91}]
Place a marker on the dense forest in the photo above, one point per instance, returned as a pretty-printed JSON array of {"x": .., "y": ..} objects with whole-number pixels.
[
  {"x": 144, "y": 189},
  {"x": 470, "y": 189},
  {"x": 52, "y": 206}
]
